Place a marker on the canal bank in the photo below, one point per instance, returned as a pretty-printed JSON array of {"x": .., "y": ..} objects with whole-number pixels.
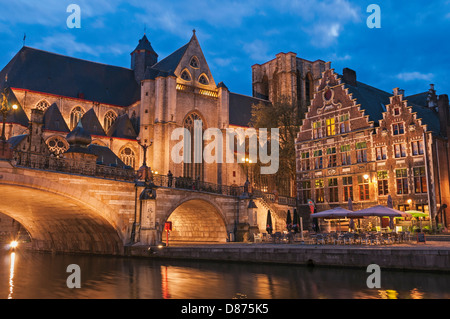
[{"x": 433, "y": 256}]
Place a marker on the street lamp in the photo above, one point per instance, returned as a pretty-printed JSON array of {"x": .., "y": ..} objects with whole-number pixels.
[{"x": 4, "y": 110}]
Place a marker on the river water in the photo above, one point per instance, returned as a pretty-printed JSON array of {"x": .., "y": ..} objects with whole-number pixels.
[{"x": 26, "y": 275}]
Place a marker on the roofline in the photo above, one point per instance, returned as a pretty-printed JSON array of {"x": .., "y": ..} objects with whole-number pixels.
[
  {"x": 71, "y": 98},
  {"x": 256, "y": 98},
  {"x": 71, "y": 57}
]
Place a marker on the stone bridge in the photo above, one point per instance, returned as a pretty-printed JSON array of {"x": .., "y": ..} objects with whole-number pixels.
[{"x": 66, "y": 212}]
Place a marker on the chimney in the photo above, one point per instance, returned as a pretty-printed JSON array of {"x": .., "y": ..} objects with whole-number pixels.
[
  {"x": 432, "y": 99},
  {"x": 349, "y": 77},
  {"x": 443, "y": 110}
]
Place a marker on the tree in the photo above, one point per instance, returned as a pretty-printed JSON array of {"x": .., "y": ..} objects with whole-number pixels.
[{"x": 283, "y": 115}]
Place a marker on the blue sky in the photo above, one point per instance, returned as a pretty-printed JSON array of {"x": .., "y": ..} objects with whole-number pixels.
[{"x": 410, "y": 50}]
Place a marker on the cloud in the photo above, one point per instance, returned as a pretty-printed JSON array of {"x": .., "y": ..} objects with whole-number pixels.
[
  {"x": 68, "y": 44},
  {"x": 412, "y": 76},
  {"x": 257, "y": 50}
]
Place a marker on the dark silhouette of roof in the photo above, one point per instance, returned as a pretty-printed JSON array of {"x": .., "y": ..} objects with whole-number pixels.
[
  {"x": 105, "y": 156},
  {"x": 122, "y": 128},
  {"x": 144, "y": 44},
  {"x": 46, "y": 72},
  {"x": 240, "y": 111},
  {"x": 17, "y": 116},
  {"x": 92, "y": 124},
  {"x": 170, "y": 63},
  {"x": 54, "y": 121}
]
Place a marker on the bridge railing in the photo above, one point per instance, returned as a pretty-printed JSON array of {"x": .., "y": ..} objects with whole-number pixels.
[{"x": 66, "y": 165}]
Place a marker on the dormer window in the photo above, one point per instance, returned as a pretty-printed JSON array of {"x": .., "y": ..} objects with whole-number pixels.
[
  {"x": 203, "y": 80},
  {"x": 185, "y": 75},
  {"x": 194, "y": 63}
]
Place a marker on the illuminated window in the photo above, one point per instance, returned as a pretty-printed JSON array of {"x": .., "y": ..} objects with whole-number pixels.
[
  {"x": 331, "y": 127},
  {"x": 346, "y": 157},
  {"x": 42, "y": 105},
  {"x": 363, "y": 185},
  {"x": 344, "y": 123},
  {"x": 334, "y": 190},
  {"x": 348, "y": 188},
  {"x": 57, "y": 145},
  {"x": 75, "y": 116},
  {"x": 192, "y": 169},
  {"x": 402, "y": 181},
  {"x": 109, "y": 120},
  {"x": 332, "y": 157},
  {"x": 317, "y": 130},
  {"x": 305, "y": 163},
  {"x": 361, "y": 152},
  {"x": 318, "y": 159},
  {"x": 319, "y": 190},
  {"x": 383, "y": 183},
  {"x": 128, "y": 157},
  {"x": 420, "y": 180}
]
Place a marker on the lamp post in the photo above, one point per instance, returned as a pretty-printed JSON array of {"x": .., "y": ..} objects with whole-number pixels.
[{"x": 4, "y": 110}]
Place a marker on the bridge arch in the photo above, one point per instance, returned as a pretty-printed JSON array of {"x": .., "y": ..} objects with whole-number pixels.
[{"x": 196, "y": 220}]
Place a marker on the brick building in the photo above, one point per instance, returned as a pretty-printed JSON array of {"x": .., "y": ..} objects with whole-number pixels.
[{"x": 362, "y": 143}]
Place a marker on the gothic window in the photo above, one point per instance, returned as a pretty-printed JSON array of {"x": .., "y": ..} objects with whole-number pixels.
[
  {"x": 128, "y": 157},
  {"x": 203, "y": 80},
  {"x": 75, "y": 116},
  {"x": 308, "y": 88},
  {"x": 110, "y": 118},
  {"x": 192, "y": 169},
  {"x": 57, "y": 145},
  {"x": 185, "y": 75},
  {"x": 194, "y": 63},
  {"x": 42, "y": 105}
]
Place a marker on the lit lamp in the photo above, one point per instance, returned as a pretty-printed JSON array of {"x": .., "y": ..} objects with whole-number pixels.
[
  {"x": 366, "y": 176},
  {"x": 4, "y": 110},
  {"x": 409, "y": 201}
]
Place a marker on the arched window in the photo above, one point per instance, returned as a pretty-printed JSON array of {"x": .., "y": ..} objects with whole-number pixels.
[
  {"x": 194, "y": 170},
  {"x": 265, "y": 87},
  {"x": 42, "y": 105},
  {"x": 194, "y": 62},
  {"x": 57, "y": 145},
  {"x": 75, "y": 116},
  {"x": 185, "y": 75},
  {"x": 203, "y": 80},
  {"x": 128, "y": 157},
  {"x": 110, "y": 118}
]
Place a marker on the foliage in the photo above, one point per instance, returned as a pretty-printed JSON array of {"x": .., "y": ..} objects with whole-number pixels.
[{"x": 282, "y": 115}]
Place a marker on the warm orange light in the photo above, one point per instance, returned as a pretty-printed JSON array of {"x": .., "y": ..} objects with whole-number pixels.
[
  {"x": 14, "y": 244},
  {"x": 15, "y": 107}
]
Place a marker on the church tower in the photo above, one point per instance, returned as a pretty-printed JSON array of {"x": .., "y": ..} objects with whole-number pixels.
[{"x": 142, "y": 57}]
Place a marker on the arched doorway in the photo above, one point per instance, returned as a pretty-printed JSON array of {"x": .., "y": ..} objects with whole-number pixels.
[{"x": 196, "y": 221}]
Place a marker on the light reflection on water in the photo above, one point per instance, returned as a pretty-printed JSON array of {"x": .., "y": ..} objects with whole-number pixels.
[{"x": 30, "y": 275}]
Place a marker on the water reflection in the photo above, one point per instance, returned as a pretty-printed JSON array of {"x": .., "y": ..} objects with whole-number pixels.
[
  {"x": 30, "y": 275},
  {"x": 11, "y": 275}
]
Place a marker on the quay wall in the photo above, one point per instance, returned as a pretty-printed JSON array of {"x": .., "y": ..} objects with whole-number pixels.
[{"x": 401, "y": 258}]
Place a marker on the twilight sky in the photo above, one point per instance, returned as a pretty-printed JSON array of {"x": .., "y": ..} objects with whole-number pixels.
[{"x": 410, "y": 50}]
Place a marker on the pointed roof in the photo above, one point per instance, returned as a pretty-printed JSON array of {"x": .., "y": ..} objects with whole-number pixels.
[
  {"x": 145, "y": 45},
  {"x": 92, "y": 124},
  {"x": 54, "y": 121},
  {"x": 41, "y": 71},
  {"x": 122, "y": 128},
  {"x": 105, "y": 156},
  {"x": 171, "y": 62},
  {"x": 17, "y": 116}
]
